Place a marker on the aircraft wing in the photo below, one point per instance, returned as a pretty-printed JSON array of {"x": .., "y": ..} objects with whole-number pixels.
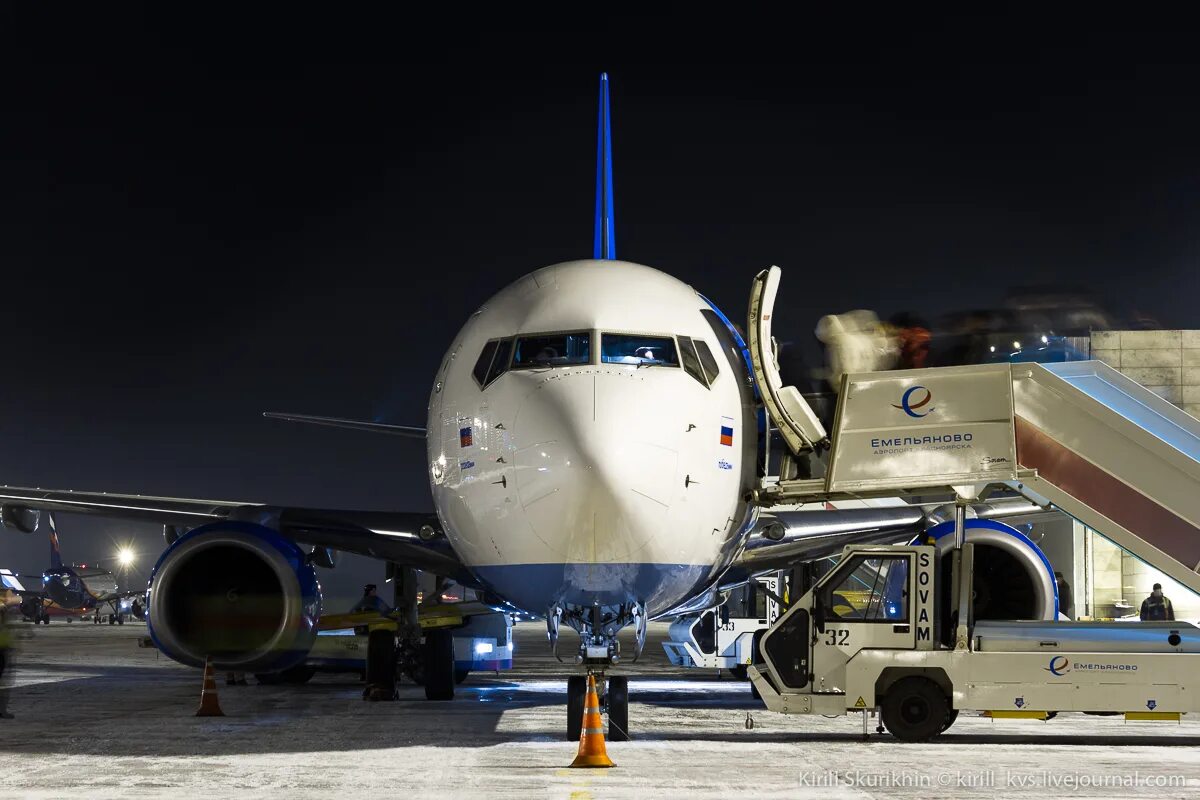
[
  {"x": 11, "y": 581},
  {"x": 386, "y": 535},
  {"x": 29, "y": 594}
]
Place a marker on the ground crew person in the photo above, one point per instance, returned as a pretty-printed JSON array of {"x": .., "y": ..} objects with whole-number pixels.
[
  {"x": 5, "y": 662},
  {"x": 371, "y": 602},
  {"x": 1156, "y": 606}
]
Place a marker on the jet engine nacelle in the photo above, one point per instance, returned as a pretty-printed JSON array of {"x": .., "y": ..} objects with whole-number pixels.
[
  {"x": 239, "y": 592},
  {"x": 1013, "y": 579},
  {"x": 31, "y": 609}
]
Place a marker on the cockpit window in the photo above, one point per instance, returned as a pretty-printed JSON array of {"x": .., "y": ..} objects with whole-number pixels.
[
  {"x": 698, "y": 360},
  {"x": 638, "y": 349},
  {"x": 493, "y": 361},
  {"x": 485, "y": 362},
  {"x": 553, "y": 350},
  {"x": 706, "y": 360}
]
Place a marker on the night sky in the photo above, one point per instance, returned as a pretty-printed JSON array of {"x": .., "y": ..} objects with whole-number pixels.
[{"x": 207, "y": 215}]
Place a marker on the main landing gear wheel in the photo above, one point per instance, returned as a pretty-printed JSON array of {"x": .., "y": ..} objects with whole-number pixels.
[
  {"x": 381, "y": 666},
  {"x": 618, "y": 709},
  {"x": 576, "y": 695},
  {"x": 915, "y": 710},
  {"x": 297, "y": 675},
  {"x": 439, "y": 665}
]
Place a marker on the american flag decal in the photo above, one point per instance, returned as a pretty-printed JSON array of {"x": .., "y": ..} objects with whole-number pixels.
[
  {"x": 464, "y": 437},
  {"x": 727, "y": 431}
]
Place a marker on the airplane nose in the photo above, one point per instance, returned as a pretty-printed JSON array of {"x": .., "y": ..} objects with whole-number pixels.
[{"x": 596, "y": 465}]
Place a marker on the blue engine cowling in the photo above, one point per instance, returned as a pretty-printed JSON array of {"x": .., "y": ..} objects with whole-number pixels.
[
  {"x": 239, "y": 592},
  {"x": 1013, "y": 579},
  {"x": 65, "y": 588}
]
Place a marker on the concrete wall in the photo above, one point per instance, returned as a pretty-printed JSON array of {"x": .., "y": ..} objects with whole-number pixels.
[{"x": 1165, "y": 362}]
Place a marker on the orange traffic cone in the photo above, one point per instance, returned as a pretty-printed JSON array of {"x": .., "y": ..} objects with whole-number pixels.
[
  {"x": 209, "y": 706},
  {"x": 591, "y": 742}
]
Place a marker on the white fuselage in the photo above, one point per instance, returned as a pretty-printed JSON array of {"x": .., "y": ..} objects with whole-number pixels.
[{"x": 590, "y": 476}]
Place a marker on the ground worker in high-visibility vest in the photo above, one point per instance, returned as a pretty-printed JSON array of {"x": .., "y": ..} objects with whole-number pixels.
[
  {"x": 1157, "y": 607},
  {"x": 371, "y": 602}
]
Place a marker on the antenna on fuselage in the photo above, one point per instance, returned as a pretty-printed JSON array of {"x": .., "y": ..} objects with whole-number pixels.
[{"x": 605, "y": 241}]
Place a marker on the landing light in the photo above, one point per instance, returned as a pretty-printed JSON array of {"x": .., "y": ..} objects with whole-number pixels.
[
  {"x": 1016, "y": 345},
  {"x": 1045, "y": 340},
  {"x": 125, "y": 556}
]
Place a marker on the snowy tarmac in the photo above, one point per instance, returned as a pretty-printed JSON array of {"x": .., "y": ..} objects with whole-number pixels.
[{"x": 100, "y": 717}]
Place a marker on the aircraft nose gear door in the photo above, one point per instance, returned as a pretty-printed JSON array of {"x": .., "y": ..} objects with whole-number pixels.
[
  {"x": 553, "y": 621},
  {"x": 797, "y": 424},
  {"x": 640, "y": 624}
]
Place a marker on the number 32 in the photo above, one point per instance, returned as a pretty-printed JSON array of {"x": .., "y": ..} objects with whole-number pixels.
[{"x": 836, "y": 637}]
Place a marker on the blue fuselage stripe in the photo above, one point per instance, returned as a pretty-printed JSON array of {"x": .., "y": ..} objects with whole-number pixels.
[{"x": 534, "y": 588}]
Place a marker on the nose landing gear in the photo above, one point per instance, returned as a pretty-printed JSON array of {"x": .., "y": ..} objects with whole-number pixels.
[
  {"x": 614, "y": 701},
  {"x": 598, "y": 651}
]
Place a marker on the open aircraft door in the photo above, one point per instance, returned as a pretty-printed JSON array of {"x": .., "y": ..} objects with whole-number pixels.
[{"x": 797, "y": 424}]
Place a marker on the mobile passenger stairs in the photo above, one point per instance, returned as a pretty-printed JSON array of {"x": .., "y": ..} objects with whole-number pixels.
[{"x": 1079, "y": 437}]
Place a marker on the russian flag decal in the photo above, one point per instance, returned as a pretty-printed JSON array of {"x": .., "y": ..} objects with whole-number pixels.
[
  {"x": 464, "y": 437},
  {"x": 727, "y": 431}
]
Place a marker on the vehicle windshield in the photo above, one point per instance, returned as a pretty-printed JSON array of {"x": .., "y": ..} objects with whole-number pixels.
[
  {"x": 639, "y": 349},
  {"x": 871, "y": 588},
  {"x": 552, "y": 350}
]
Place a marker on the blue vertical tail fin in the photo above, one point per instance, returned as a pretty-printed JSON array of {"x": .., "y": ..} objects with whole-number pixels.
[
  {"x": 55, "y": 555},
  {"x": 605, "y": 241}
]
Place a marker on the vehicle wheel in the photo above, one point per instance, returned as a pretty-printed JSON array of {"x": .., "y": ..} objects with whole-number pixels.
[
  {"x": 112, "y": 619},
  {"x": 618, "y": 709},
  {"x": 951, "y": 715},
  {"x": 120, "y": 619},
  {"x": 46, "y": 619},
  {"x": 381, "y": 665},
  {"x": 739, "y": 672},
  {"x": 460, "y": 675},
  {"x": 576, "y": 695},
  {"x": 915, "y": 709},
  {"x": 298, "y": 675},
  {"x": 439, "y": 665},
  {"x": 754, "y": 691}
]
